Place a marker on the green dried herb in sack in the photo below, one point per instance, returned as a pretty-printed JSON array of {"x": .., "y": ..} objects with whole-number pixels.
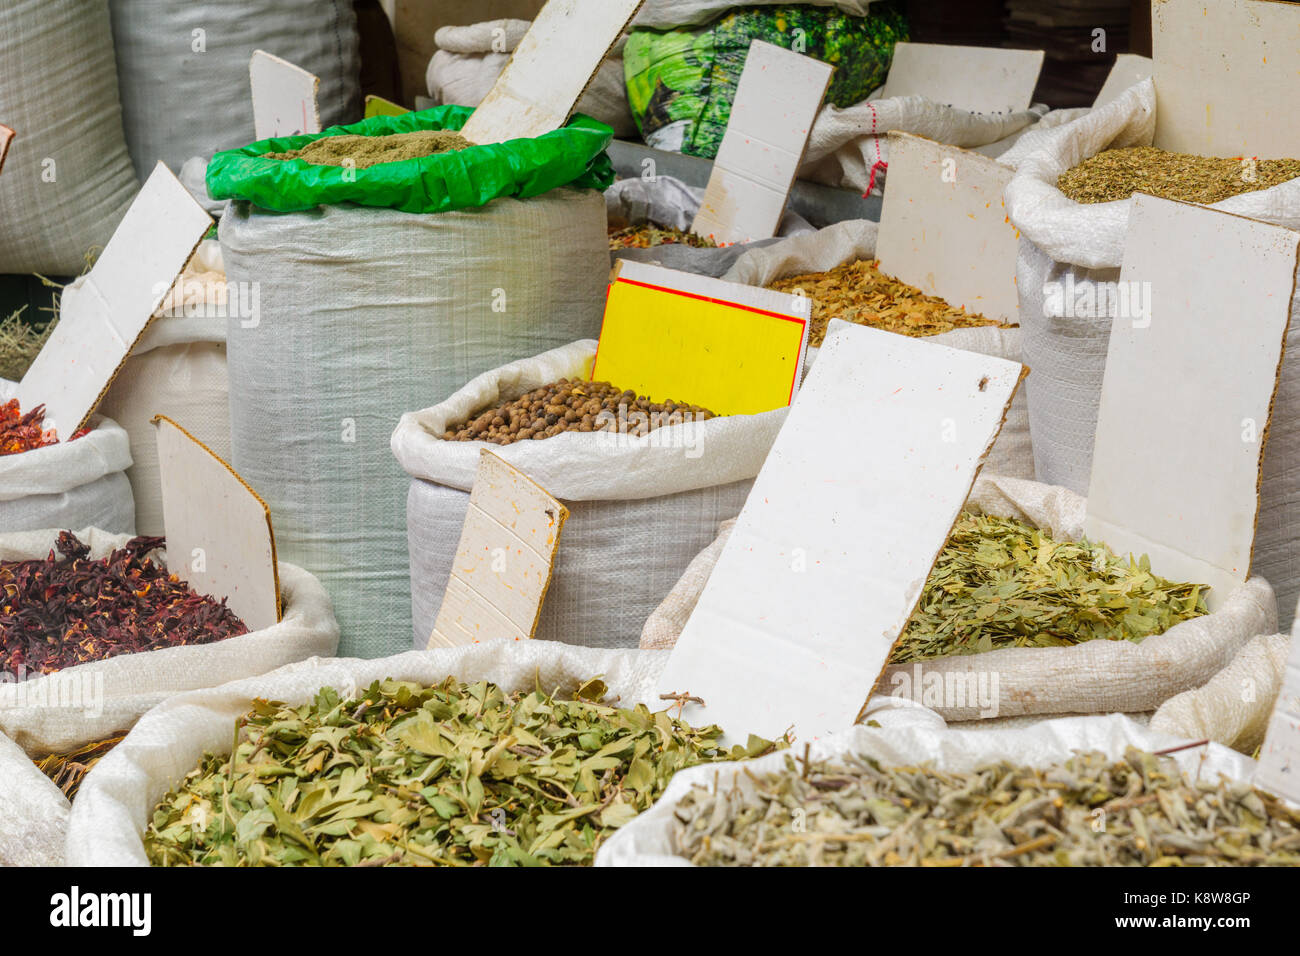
[
  {"x": 647, "y": 236},
  {"x": 455, "y": 774},
  {"x": 1116, "y": 174},
  {"x": 362, "y": 152},
  {"x": 1000, "y": 583},
  {"x": 1085, "y": 811}
]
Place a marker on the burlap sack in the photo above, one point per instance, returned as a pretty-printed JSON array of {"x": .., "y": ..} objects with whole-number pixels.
[
  {"x": 639, "y": 508},
  {"x": 647, "y": 840},
  {"x": 1234, "y": 708},
  {"x": 854, "y": 239},
  {"x": 1093, "y": 678}
]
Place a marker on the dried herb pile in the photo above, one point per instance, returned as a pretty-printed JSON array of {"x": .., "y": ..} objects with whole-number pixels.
[
  {"x": 70, "y": 609},
  {"x": 573, "y": 405},
  {"x": 456, "y": 774},
  {"x": 19, "y": 345},
  {"x": 859, "y": 292},
  {"x": 68, "y": 770},
  {"x": 367, "y": 151},
  {"x": 1118, "y": 173},
  {"x": 1000, "y": 583},
  {"x": 20, "y": 433},
  {"x": 648, "y": 235},
  {"x": 1086, "y": 811}
]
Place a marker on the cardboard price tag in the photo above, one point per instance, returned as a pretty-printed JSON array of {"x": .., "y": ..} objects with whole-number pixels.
[
  {"x": 1193, "y": 352},
  {"x": 103, "y": 314},
  {"x": 550, "y": 69},
  {"x": 1241, "y": 100},
  {"x": 730, "y": 348},
  {"x": 978, "y": 79},
  {"x": 219, "y": 537},
  {"x": 6, "y": 137},
  {"x": 1279, "y": 760},
  {"x": 944, "y": 227},
  {"x": 284, "y": 97},
  {"x": 504, "y": 561},
  {"x": 1129, "y": 70},
  {"x": 831, "y": 552},
  {"x": 776, "y": 102},
  {"x": 378, "y": 106}
]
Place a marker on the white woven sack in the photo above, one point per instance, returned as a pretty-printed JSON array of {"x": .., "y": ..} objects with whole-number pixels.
[
  {"x": 648, "y": 839},
  {"x": 177, "y": 369},
  {"x": 183, "y": 69},
  {"x": 666, "y": 14},
  {"x": 849, "y": 147},
  {"x": 1065, "y": 242},
  {"x": 67, "y": 180},
  {"x": 90, "y": 702},
  {"x": 33, "y": 811},
  {"x": 855, "y": 239},
  {"x": 1235, "y": 707},
  {"x": 468, "y": 60},
  {"x": 668, "y": 202},
  {"x": 639, "y": 508},
  {"x": 74, "y": 484},
  {"x": 1093, "y": 678},
  {"x": 350, "y": 336},
  {"x": 119, "y": 795}
]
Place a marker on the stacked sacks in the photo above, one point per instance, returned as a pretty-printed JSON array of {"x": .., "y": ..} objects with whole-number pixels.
[
  {"x": 182, "y": 69},
  {"x": 469, "y": 59},
  {"x": 639, "y": 508},
  {"x": 1070, "y": 253},
  {"x": 177, "y": 369},
  {"x": 67, "y": 180},
  {"x": 509, "y": 259}
]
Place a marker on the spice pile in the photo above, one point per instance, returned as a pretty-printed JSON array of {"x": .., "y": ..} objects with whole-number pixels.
[
  {"x": 20, "y": 433},
  {"x": 68, "y": 770},
  {"x": 573, "y": 405},
  {"x": 362, "y": 152},
  {"x": 647, "y": 236},
  {"x": 1086, "y": 811},
  {"x": 1119, "y": 173},
  {"x": 859, "y": 292},
  {"x": 455, "y": 774},
  {"x": 58, "y": 612},
  {"x": 1000, "y": 583}
]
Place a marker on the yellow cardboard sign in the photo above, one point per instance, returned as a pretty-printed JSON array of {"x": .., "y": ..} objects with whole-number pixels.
[
  {"x": 733, "y": 349},
  {"x": 378, "y": 106}
]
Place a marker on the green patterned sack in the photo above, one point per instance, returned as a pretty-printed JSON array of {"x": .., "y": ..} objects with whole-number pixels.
[{"x": 681, "y": 83}]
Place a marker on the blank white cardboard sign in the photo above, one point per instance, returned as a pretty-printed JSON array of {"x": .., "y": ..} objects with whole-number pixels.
[
  {"x": 944, "y": 227},
  {"x": 776, "y": 102},
  {"x": 284, "y": 97},
  {"x": 6, "y": 137},
  {"x": 975, "y": 78},
  {"x": 1130, "y": 69},
  {"x": 1279, "y": 761},
  {"x": 550, "y": 69},
  {"x": 219, "y": 538},
  {"x": 504, "y": 561},
  {"x": 1227, "y": 77},
  {"x": 833, "y": 547},
  {"x": 1187, "y": 394},
  {"x": 102, "y": 315}
]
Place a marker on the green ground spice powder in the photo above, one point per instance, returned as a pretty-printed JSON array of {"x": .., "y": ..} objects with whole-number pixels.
[
  {"x": 367, "y": 151},
  {"x": 1119, "y": 173}
]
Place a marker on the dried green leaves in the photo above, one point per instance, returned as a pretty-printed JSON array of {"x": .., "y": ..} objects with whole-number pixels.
[
  {"x": 1000, "y": 583},
  {"x": 1087, "y": 811},
  {"x": 1119, "y": 173},
  {"x": 456, "y": 774}
]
